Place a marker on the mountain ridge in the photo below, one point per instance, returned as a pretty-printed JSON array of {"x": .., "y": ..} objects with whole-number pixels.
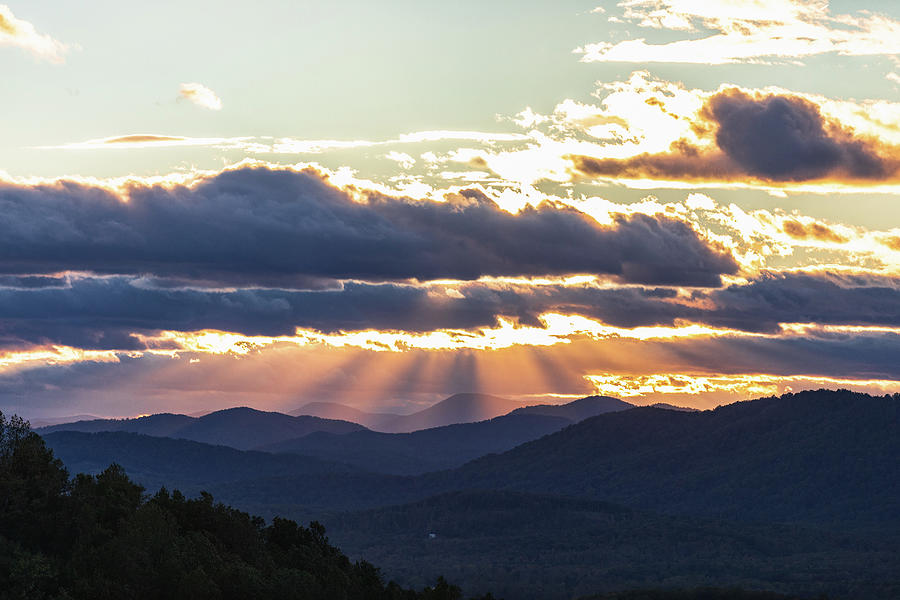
[
  {"x": 241, "y": 427},
  {"x": 425, "y": 450}
]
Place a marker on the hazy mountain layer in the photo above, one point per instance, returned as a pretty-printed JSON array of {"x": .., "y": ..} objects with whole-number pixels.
[
  {"x": 459, "y": 408},
  {"x": 426, "y": 450},
  {"x": 816, "y": 457},
  {"x": 242, "y": 428}
]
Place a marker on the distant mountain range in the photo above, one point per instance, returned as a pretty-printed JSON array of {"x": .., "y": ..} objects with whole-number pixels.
[
  {"x": 46, "y": 422},
  {"x": 775, "y": 493},
  {"x": 247, "y": 429},
  {"x": 342, "y": 412},
  {"x": 242, "y": 428},
  {"x": 459, "y": 408},
  {"x": 426, "y": 450},
  {"x": 809, "y": 457},
  {"x": 448, "y": 446}
]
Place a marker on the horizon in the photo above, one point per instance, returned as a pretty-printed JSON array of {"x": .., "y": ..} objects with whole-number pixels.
[
  {"x": 381, "y": 204},
  {"x": 531, "y": 402}
]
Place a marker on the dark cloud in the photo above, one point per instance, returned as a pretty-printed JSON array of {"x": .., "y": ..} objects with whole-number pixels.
[
  {"x": 103, "y": 313},
  {"x": 683, "y": 162},
  {"x": 786, "y": 138},
  {"x": 774, "y": 138},
  {"x": 292, "y": 229},
  {"x": 806, "y": 298},
  {"x": 858, "y": 356},
  {"x": 31, "y": 281}
]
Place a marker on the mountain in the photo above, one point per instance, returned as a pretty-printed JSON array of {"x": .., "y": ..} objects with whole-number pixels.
[
  {"x": 246, "y": 428},
  {"x": 459, "y": 408},
  {"x": 545, "y": 547},
  {"x": 46, "y": 422},
  {"x": 818, "y": 456},
  {"x": 673, "y": 407},
  {"x": 424, "y": 450},
  {"x": 342, "y": 412},
  {"x": 275, "y": 484},
  {"x": 577, "y": 410},
  {"x": 799, "y": 493},
  {"x": 160, "y": 425},
  {"x": 815, "y": 457},
  {"x": 148, "y": 459},
  {"x": 242, "y": 428}
]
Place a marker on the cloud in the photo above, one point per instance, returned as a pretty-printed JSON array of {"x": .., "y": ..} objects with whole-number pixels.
[
  {"x": 22, "y": 34},
  {"x": 117, "y": 313},
  {"x": 824, "y": 298},
  {"x": 764, "y": 137},
  {"x": 200, "y": 95},
  {"x": 741, "y": 387},
  {"x": 747, "y": 32},
  {"x": 282, "y": 377},
  {"x": 288, "y": 228},
  {"x": 786, "y": 138},
  {"x": 270, "y": 145},
  {"x": 404, "y": 160},
  {"x": 815, "y": 231},
  {"x": 142, "y": 138},
  {"x": 103, "y": 313},
  {"x": 152, "y": 140}
]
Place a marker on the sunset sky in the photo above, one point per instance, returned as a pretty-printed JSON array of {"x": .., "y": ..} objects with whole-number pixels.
[{"x": 212, "y": 204}]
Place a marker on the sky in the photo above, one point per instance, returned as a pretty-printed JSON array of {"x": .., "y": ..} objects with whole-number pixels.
[{"x": 211, "y": 204}]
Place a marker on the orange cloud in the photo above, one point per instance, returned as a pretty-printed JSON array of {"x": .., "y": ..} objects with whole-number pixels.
[{"x": 816, "y": 231}]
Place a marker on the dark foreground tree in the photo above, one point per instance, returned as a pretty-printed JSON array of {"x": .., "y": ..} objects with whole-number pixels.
[{"x": 100, "y": 537}]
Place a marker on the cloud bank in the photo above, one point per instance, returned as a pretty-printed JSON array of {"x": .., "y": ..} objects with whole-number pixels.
[
  {"x": 287, "y": 228},
  {"x": 747, "y": 32},
  {"x": 104, "y": 313}
]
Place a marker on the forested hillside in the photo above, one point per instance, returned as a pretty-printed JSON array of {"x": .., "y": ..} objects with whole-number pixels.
[
  {"x": 536, "y": 547},
  {"x": 100, "y": 538}
]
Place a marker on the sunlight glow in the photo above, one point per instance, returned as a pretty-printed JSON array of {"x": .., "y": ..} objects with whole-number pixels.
[{"x": 755, "y": 385}]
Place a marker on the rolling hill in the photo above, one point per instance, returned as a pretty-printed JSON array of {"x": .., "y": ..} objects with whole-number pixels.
[
  {"x": 342, "y": 412},
  {"x": 424, "y": 450},
  {"x": 241, "y": 428},
  {"x": 577, "y": 410},
  {"x": 817, "y": 456}
]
